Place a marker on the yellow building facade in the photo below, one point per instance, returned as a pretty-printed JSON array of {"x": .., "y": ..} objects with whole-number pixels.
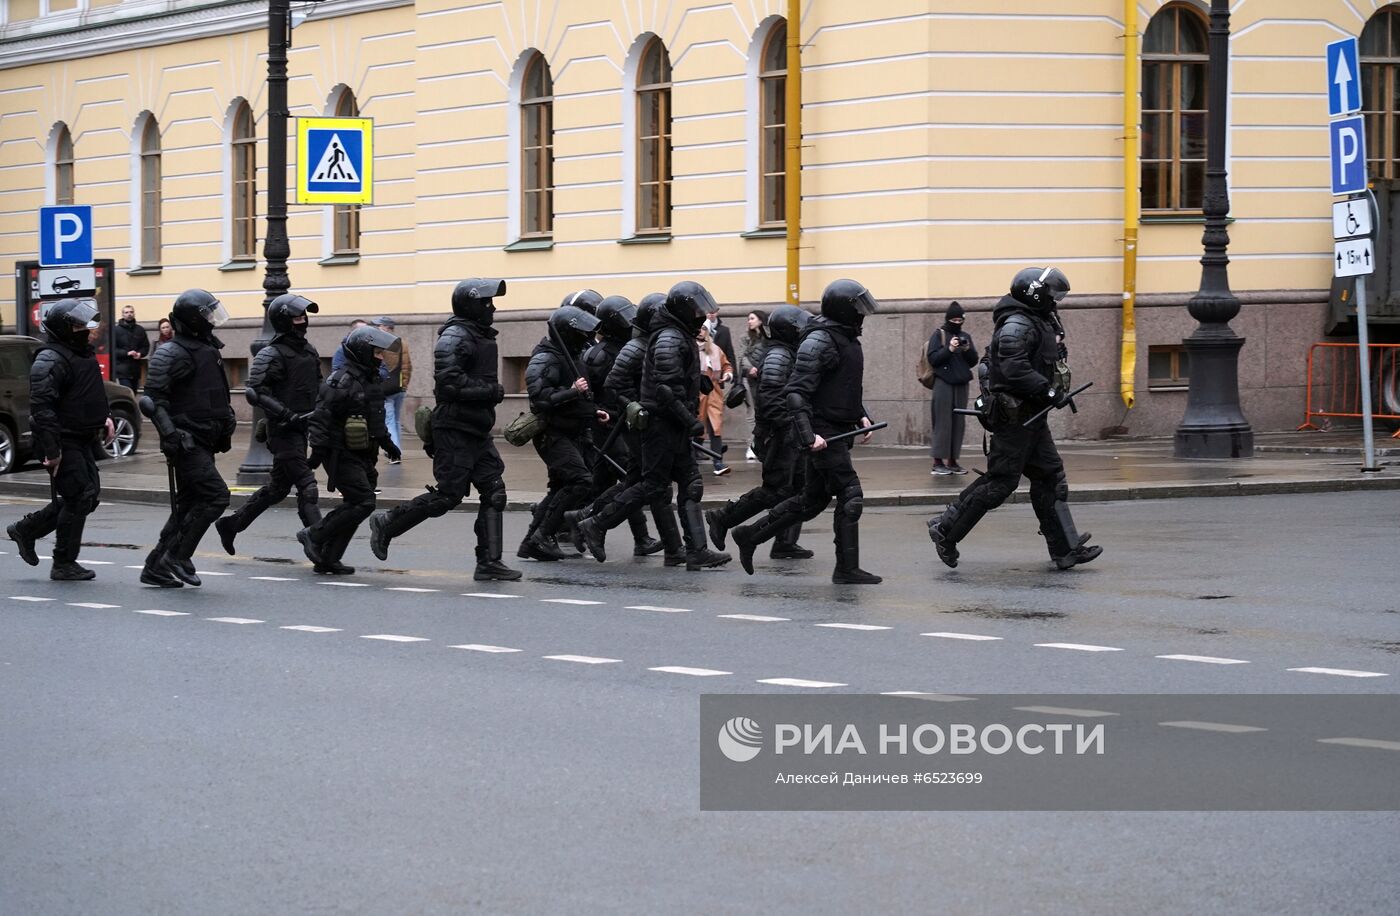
[{"x": 625, "y": 144}]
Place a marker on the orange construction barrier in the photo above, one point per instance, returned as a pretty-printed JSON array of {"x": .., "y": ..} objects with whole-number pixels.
[{"x": 1334, "y": 382}]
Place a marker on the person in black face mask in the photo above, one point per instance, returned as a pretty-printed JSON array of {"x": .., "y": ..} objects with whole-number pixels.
[
  {"x": 69, "y": 417},
  {"x": 824, "y": 398},
  {"x": 284, "y": 380},
  {"x": 194, "y": 417},
  {"x": 347, "y": 432},
  {"x": 1022, "y": 380},
  {"x": 467, "y": 389}
]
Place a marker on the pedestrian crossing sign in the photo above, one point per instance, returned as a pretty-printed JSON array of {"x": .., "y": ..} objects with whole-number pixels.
[{"x": 335, "y": 161}]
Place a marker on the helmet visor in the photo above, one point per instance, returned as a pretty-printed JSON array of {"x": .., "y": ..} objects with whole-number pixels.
[
  {"x": 215, "y": 314},
  {"x": 704, "y": 301},
  {"x": 380, "y": 339},
  {"x": 83, "y": 314},
  {"x": 865, "y": 304}
]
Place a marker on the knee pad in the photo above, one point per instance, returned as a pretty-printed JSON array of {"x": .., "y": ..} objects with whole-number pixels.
[
  {"x": 693, "y": 491},
  {"x": 851, "y": 507},
  {"x": 495, "y": 497}
]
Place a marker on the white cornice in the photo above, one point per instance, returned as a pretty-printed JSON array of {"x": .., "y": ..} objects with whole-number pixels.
[{"x": 145, "y": 23}]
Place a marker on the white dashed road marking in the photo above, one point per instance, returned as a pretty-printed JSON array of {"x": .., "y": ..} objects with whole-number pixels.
[
  {"x": 28, "y": 598},
  {"x": 477, "y": 647},
  {"x": 1078, "y": 647},
  {"x": 390, "y": 637},
  {"x": 310, "y": 629},
  {"x": 1362, "y": 742},
  {"x": 1066, "y": 711},
  {"x": 215, "y": 574},
  {"x": 234, "y": 620},
  {"x": 693, "y": 672},
  {"x": 569, "y": 601},
  {"x": 156, "y": 613},
  {"x": 348, "y": 584},
  {"x": 1205, "y": 659},
  {"x": 756, "y": 618},
  {"x": 583, "y": 659},
  {"x": 93, "y": 605},
  {"x": 1340, "y": 672},
  {"x": 273, "y": 579},
  {"x": 1214, "y": 727},
  {"x": 405, "y": 588},
  {"x": 487, "y": 595},
  {"x": 798, "y": 682},
  {"x": 99, "y": 562},
  {"x": 853, "y": 626},
  {"x": 975, "y": 637},
  {"x": 934, "y": 697},
  {"x": 662, "y": 610}
]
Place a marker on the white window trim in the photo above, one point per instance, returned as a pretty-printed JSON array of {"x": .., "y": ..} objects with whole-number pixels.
[
  {"x": 630, "y": 68},
  {"x": 138, "y": 131},
  {"x": 515, "y": 181},
  {"x": 753, "y": 129},
  {"x": 230, "y": 123},
  {"x": 51, "y": 163}
]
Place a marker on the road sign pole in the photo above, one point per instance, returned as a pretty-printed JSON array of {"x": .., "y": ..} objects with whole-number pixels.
[{"x": 1363, "y": 339}]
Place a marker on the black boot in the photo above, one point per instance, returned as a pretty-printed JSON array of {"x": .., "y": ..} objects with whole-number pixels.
[
  {"x": 156, "y": 573},
  {"x": 69, "y": 571},
  {"x": 1082, "y": 552},
  {"x": 717, "y": 521},
  {"x": 748, "y": 537},
  {"x": 489, "y": 567},
  {"x": 643, "y": 544},
  {"x": 537, "y": 511},
  {"x": 538, "y": 547},
  {"x": 943, "y": 543},
  {"x": 848, "y": 571},
  {"x": 24, "y": 544},
  {"x": 228, "y": 529},
  {"x": 785, "y": 546},
  {"x": 183, "y": 569},
  {"x": 699, "y": 556},
  {"x": 309, "y": 547},
  {"x": 379, "y": 535},
  {"x": 593, "y": 536},
  {"x": 669, "y": 531},
  {"x": 332, "y": 550},
  {"x": 571, "y": 520}
]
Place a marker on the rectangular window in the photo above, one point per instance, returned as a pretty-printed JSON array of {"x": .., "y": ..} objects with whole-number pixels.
[
  {"x": 774, "y": 149},
  {"x": 245, "y": 199},
  {"x": 537, "y": 167},
  {"x": 654, "y": 160},
  {"x": 150, "y": 210},
  {"x": 1168, "y": 367}
]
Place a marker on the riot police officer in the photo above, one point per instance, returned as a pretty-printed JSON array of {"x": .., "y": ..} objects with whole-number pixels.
[
  {"x": 1022, "y": 380},
  {"x": 467, "y": 389},
  {"x": 194, "y": 418},
  {"x": 561, "y": 396},
  {"x": 284, "y": 382},
  {"x": 670, "y": 394},
  {"x": 347, "y": 432},
  {"x": 824, "y": 398},
  {"x": 69, "y": 417},
  {"x": 783, "y": 472},
  {"x": 586, "y": 299}
]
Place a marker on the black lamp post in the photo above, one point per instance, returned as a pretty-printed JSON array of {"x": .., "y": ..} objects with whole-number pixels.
[
  {"x": 1214, "y": 426},
  {"x": 257, "y": 465}
]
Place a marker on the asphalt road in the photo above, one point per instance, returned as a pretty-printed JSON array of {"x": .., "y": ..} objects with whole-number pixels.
[{"x": 189, "y": 752}]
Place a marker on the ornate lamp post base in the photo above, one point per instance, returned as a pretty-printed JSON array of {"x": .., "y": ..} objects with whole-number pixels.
[{"x": 1214, "y": 426}]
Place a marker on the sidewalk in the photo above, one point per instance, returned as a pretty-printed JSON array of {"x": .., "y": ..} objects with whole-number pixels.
[{"x": 1306, "y": 462}]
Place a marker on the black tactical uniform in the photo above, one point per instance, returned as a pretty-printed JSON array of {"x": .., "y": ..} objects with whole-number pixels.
[
  {"x": 783, "y": 472},
  {"x": 467, "y": 389},
  {"x": 193, "y": 415},
  {"x": 824, "y": 398},
  {"x": 670, "y": 393},
  {"x": 68, "y": 415},
  {"x": 615, "y": 316},
  {"x": 284, "y": 381},
  {"x": 569, "y": 416},
  {"x": 1022, "y": 380},
  {"x": 347, "y": 432}
]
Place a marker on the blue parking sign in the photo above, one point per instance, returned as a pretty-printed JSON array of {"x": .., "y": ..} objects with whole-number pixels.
[
  {"x": 65, "y": 236},
  {"x": 1348, "y": 145},
  {"x": 1343, "y": 78}
]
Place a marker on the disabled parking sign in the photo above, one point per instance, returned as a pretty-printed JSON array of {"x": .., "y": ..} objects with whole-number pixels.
[{"x": 335, "y": 161}]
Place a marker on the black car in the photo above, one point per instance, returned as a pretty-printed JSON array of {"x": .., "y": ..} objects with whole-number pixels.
[{"x": 16, "y": 441}]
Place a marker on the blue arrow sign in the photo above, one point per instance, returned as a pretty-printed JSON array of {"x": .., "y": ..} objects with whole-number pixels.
[
  {"x": 1348, "y": 155},
  {"x": 65, "y": 236},
  {"x": 1343, "y": 78}
]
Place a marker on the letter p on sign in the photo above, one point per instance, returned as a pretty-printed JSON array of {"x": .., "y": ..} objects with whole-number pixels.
[{"x": 65, "y": 236}]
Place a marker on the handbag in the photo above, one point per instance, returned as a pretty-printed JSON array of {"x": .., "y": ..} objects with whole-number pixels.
[
  {"x": 737, "y": 396},
  {"x": 524, "y": 428}
]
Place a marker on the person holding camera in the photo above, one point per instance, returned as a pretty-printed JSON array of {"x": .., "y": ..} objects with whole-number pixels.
[{"x": 952, "y": 355}]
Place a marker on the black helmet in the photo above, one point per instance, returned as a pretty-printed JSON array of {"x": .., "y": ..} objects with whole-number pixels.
[
  {"x": 786, "y": 322},
  {"x": 361, "y": 343},
  {"x": 572, "y": 327},
  {"x": 472, "y": 298},
  {"x": 197, "y": 312},
  {"x": 69, "y": 320},
  {"x": 586, "y": 299},
  {"x": 1041, "y": 288},
  {"x": 615, "y": 315},
  {"x": 847, "y": 302},
  {"x": 286, "y": 309},
  {"x": 689, "y": 303},
  {"x": 646, "y": 312}
]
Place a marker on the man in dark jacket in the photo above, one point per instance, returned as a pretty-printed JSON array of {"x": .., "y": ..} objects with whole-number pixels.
[
  {"x": 467, "y": 389},
  {"x": 193, "y": 416},
  {"x": 130, "y": 346},
  {"x": 952, "y": 356},
  {"x": 69, "y": 417},
  {"x": 562, "y": 397},
  {"x": 347, "y": 432},
  {"x": 1023, "y": 379},
  {"x": 284, "y": 382},
  {"x": 670, "y": 394},
  {"x": 782, "y": 470},
  {"x": 824, "y": 398}
]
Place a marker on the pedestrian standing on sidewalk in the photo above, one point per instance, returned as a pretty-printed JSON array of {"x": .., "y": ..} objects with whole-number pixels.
[
  {"x": 750, "y": 365},
  {"x": 164, "y": 332},
  {"x": 953, "y": 357},
  {"x": 715, "y": 369},
  {"x": 399, "y": 366},
  {"x": 132, "y": 345}
]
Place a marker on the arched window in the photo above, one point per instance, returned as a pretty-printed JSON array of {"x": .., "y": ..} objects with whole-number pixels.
[
  {"x": 654, "y": 139},
  {"x": 1174, "y": 61},
  {"x": 1380, "y": 84},
  {"x": 63, "y": 166},
  {"x": 345, "y": 232},
  {"x": 243, "y": 149},
  {"x": 537, "y": 149},
  {"x": 772, "y": 113},
  {"x": 150, "y": 193}
]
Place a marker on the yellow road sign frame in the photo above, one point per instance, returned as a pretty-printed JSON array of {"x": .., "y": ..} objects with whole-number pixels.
[{"x": 365, "y": 128}]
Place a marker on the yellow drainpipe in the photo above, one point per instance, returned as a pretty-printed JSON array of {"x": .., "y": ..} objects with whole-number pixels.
[
  {"x": 1132, "y": 201},
  {"x": 792, "y": 165}
]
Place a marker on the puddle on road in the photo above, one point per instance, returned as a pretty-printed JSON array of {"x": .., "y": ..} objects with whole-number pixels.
[{"x": 1006, "y": 613}]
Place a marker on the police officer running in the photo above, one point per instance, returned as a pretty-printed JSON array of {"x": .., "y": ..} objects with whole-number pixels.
[
  {"x": 467, "y": 389},
  {"x": 194, "y": 418},
  {"x": 1023, "y": 378},
  {"x": 284, "y": 381},
  {"x": 69, "y": 416},
  {"x": 347, "y": 432},
  {"x": 824, "y": 398}
]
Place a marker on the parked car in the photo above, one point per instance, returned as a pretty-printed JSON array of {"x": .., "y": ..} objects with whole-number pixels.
[{"x": 16, "y": 440}]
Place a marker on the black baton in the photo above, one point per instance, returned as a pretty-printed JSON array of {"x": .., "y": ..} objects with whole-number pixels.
[
  {"x": 856, "y": 432},
  {"x": 1051, "y": 407},
  {"x": 713, "y": 456}
]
